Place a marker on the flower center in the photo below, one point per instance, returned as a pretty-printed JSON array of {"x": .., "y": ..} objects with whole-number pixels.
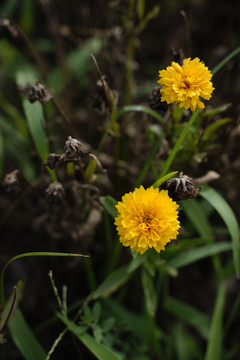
[
  {"x": 185, "y": 84},
  {"x": 147, "y": 219}
]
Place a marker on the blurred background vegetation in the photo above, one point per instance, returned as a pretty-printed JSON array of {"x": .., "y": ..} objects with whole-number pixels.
[{"x": 51, "y": 41}]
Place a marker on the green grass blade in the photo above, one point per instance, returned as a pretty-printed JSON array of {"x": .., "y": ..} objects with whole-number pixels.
[
  {"x": 226, "y": 213},
  {"x": 225, "y": 61},
  {"x": 99, "y": 350},
  {"x": 190, "y": 256},
  {"x": 164, "y": 178},
  {"x": 188, "y": 314},
  {"x": 197, "y": 216},
  {"x": 2, "y": 297},
  {"x": 24, "y": 338},
  {"x": 214, "y": 346},
  {"x": 34, "y": 116}
]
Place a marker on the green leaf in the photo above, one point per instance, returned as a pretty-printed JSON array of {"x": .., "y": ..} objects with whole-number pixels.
[
  {"x": 24, "y": 338},
  {"x": 99, "y": 350},
  {"x": 112, "y": 282},
  {"x": 188, "y": 314},
  {"x": 164, "y": 178},
  {"x": 97, "y": 333},
  {"x": 198, "y": 253},
  {"x": 197, "y": 216},
  {"x": 225, "y": 61},
  {"x": 217, "y": 110},
  {"x": 79, "y": 59},
  {"x": 224, "y": 210},
  {"x": 17, "y": 147},
  {"x": 11, "y": 304},
  {"x": 214, "y": 346},
  {"x": 34, "y": 116},
  {"x": 109, "y": 203},
  {"x": 118, "y": 277},
  {"x": 212, "y": 128},
  {"x": 149, "y": 293},
  {"x": 96, "y": 312}
]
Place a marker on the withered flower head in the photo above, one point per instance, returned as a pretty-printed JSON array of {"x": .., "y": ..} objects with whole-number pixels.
[
  {"x": 11, "y": 182},
  {"x": 37, "y": 92},
  {"x": 55, "y": 192},
  {"x": 53, "y": 161},
  {"x": 155, "y": 102},
  {"x": 73, "y": 146},
  {"x": 181, "y": 188}
]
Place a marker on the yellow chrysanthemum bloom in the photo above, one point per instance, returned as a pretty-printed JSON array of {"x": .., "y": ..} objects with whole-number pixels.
[
  {"x": 147, "y": 218},
  {"x": 186, "y": 84}
]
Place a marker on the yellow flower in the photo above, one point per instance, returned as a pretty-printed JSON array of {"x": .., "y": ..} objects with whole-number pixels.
[
  {"x": 186, "y": 84},
  {"x": 147, "y": 218}
]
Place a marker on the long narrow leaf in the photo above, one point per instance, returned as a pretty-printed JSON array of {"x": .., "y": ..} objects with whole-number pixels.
[
  {"x": 112, "y": 282},
  {"x": 214, "y": 347},
  {"x": 225, "y": 61},
  {"x": 224, "y": 210},
  {"x": 197, "y": 216},
  {"x": 198, "y": 253},
  {"x": 35, "y": 117},
  {"x": 24, "y": 338},
  {"x": 99, "y": 350},
  {"x": 188, "y": 314}
]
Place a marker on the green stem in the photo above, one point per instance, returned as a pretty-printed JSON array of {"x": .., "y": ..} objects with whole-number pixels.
[
  {"x": 2, "y": 295},
  {"x": 176, "y": 147}
]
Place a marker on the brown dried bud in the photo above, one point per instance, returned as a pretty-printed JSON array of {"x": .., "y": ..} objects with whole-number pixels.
[
  {"x": 55, "y": 192},
  {"x": 8, "y": 30},
  {"x": 181, "y": 188},
  {"x": 12, "y": 182},
  {"x": 37, "y": 92},
  {"x": 155, "y": 102},
  {"x": 53, "y": 161}
]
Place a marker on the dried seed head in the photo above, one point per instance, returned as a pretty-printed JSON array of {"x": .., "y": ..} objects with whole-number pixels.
[
  {"x": 37, "y": 92},
  {"x": 55, "y": 192},
  {"x": 12, "y": 182},
  {"x": 53, "y": 161},
  {"x": 8, "y": 30},
  {"x": 155, "y": 102},
  {"x": 181, "y": 188},
  {"x": 73, "y": 146}
]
